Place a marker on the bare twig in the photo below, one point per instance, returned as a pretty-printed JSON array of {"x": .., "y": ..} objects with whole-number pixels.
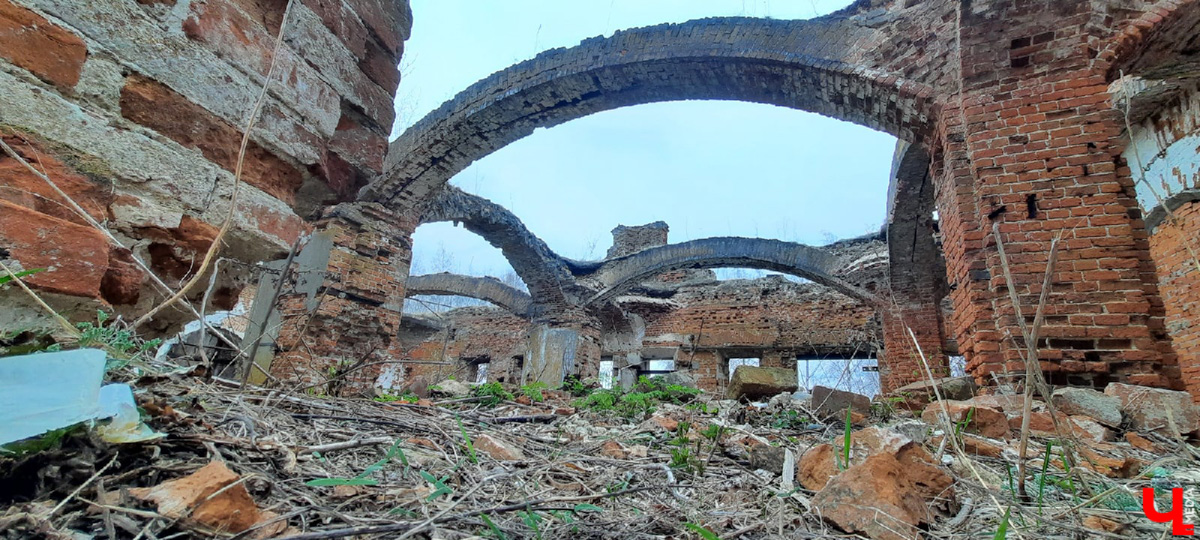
[
  {"x": 1032, "y": 367},
  {"x": 251, "y": 119}
]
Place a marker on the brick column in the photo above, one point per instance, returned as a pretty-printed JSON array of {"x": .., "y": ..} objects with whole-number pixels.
[
  {"x": 1037, "y": 135},
  {"x": 345, "y": 307},
  {"x": 901, "y": 362}
]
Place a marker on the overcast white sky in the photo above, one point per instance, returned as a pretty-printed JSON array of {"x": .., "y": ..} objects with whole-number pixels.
[{"x": 707, "y": 168}]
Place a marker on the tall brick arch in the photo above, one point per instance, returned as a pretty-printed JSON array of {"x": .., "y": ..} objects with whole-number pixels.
[
  {"x": 614, "y": 276},
  {"x": 817, "y": 66},
  {"x": 1166, "y": 32},
  {"x": 488, "y": 289},
  {"x": 543, "y": 271}
]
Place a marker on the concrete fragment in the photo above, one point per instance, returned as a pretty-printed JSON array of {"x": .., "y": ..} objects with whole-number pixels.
[
  {"x": 818, "y": 464},
  {"x": 498, "y": 449},
  {"x": 212, "y": 497},
  {"x": 1096, "y": 405},
  {"x": 612, "y": 449},
  {"x": 889, "y": 495},
  {"x": 758, "y": 382},
  {"x": 832, "y": 403},
  {"x": 1167, "y": 412},
  {"x": 920, "y": 393},
  {"x": 452, "y": 388}
]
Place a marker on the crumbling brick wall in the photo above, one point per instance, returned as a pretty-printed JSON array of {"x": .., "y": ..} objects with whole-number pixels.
[
  {"x": 136, "y": 109},
  {"x": 462, "y": 337},
  {"x": 770, "y": 318},
  {"x": 1166, "y": 145}
]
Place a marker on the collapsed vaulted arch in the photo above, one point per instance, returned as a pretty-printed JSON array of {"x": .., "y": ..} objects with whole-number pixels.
[
  {"x": 815, "y": 65},
  {"x": 614, "y": 276},
  {"x": 488, "y": 289},
  {"x": 542, "y": 270},
  {"x": 915, "y": 265}
]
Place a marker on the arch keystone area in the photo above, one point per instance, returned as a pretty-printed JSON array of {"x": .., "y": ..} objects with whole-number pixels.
[
  {"x": 615, "y": 276},
  {"x": 811, "y": 65}
]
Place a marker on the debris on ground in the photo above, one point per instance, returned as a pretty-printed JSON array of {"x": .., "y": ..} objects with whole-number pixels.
[{"x": 657, "y": 461}]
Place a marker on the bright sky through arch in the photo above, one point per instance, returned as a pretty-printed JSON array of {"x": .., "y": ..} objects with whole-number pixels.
[{"x": 707, "y": 168}]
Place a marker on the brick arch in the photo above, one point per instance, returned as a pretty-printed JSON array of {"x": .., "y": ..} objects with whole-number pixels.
[
  {"x": 1167, "y": 30},
  {"x": 542, "y": 270},
  {"x": 815, "y": 66},
  {"x": 614, "y": 276},
  {"x": 488, "y": 289}
]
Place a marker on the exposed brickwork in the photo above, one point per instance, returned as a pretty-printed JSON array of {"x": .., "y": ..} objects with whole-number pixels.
[
  {"x": 47, "y": 50},
  {"x": 1179, "y": 279},
  {"x": 155, "y": 106},
  {"x": 357, "y": 320},
  {"x": 629, "y": 240},
  {"x": 770, "y": 318},
  {"x": 1022, "y": 134},
  {"x": 1041, "y": 157},
  {"x": 144, "y": 102}
]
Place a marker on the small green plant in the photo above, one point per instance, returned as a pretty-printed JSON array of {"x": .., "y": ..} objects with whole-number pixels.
[
  {"x": 533, "y": 391},
  {"x": 961, "y": 425},
  {"x": 885, "y": 408},
  {"x": 121, "y": 343},
  {"x": 406, "y": 397},
  {"x": 713, "y": 432},
  {"x": 7, "y": 278},
  {"x": 363, "y": 478},
  {"x": 646, "y": 395},
  {"x": 492, "y": 526},
  {"x": 1042, "y": 478},
  {"x": 1002, "y": 531},
  {"x": 493, "y": 393},
  {"x": 704, "y": 533},
  {"x": 533, "y": 521},
  {"x": 844, "y": 462},
  {"x": 576, "y": 387},
  {"x": 789, "y": 419},
  {"x": 469, "y": 443},
  {"x": 439, "y": 485}
]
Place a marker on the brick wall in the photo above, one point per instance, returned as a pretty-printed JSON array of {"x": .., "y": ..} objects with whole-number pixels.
[
  {"x": 136, "y": 110},
  {"x": 465, "y": 336},
  {"x": 1179, "y": 280},
  {"x": 628, "y": 240},
  {"x": 770, "y": 318},
  {"x": 1034, "y": 146}
]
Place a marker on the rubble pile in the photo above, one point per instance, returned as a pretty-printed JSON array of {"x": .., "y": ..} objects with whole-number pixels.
[{"x": 657, "y": 461}]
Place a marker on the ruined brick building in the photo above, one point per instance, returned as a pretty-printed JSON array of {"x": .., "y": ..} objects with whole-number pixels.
[
  {"x": 1077, "y": 118},
  {"x": 684, "y": 322}
]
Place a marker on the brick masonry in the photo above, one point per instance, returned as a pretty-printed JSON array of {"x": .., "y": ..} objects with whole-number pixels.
[
  {"x": 136, "y": 110},
  {"x": 1010, "y": 99}
]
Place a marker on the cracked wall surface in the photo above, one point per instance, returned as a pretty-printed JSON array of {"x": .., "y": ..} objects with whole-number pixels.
[{"x": 135, "y": 109}]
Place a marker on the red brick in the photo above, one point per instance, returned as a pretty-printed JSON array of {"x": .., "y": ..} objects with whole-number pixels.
[
  {"x": 31, "y": 42},
  {"x": 156, "y": 106}
]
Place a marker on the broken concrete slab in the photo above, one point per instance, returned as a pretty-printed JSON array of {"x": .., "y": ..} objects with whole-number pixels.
[
  {"x": 755, "y": 383},
  {"x": 832, "y": 403},
  {"x": 1103, "y": 408},
  {"x": 1167, "y": 412}
]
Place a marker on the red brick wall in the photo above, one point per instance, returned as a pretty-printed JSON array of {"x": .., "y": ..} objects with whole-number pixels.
[
  {"x": 469, "y": 334},
  {"x": 1036, "y": 129},
  {"x": 136, "y": 109},
  {"x": 1179, "y": 280},
  {"x": 768, "y": 318}
]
